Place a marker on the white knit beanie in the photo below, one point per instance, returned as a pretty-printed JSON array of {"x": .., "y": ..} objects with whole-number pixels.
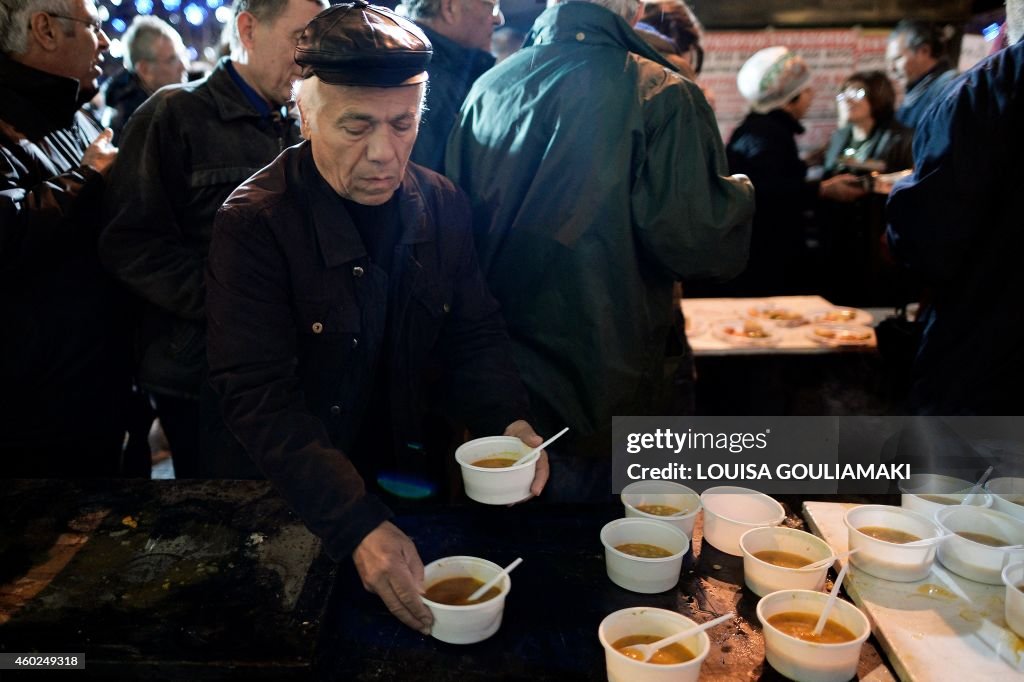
[{"x": 771, "y": 78}]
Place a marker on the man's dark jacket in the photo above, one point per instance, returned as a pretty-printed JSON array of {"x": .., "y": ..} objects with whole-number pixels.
[
  {"x": 64, "y": 344},
  {"x": 184, "y": 151},
  {"x": 956, "y": 224},
  {"x": 453, "y": 70},
  {"x": 123, "y": 94},
  {"x": 297, "y": 318}
]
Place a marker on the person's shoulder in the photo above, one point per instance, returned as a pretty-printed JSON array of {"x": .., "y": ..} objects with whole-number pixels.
[
  {"x": 430, "y": 183},
  {"x": 267, "y": 190}
]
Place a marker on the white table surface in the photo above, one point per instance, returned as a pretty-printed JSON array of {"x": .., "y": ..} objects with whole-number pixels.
[{"x": 701, "y": 313}]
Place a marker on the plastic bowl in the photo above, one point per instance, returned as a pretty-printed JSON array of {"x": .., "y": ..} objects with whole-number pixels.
[
  {"x": 730, "y": 511},
  {"x": 764, "y": 578},
  {"x": 974, "y": 560},
  {"x": 506, "y": 485},
  {"x": 663, "y": 493},
  {"x": 1013, "y": 578},
  {"x": 891, "y": 560},
  {"x": 812, "y": 661},
  {"x": 928, "y": 493},
  {"x": 1008, "y": 495},
  {"x": 647, "y": 621},
  {"x": 465, "y": 624},
  {"x": 639, "y": 574}
]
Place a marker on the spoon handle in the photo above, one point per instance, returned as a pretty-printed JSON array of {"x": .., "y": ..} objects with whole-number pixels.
[
  {"x": 653, "y": 647},
  {"x": 482, "y": 590}
]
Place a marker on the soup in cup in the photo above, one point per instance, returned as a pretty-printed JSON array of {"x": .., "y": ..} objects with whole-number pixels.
[
  {"x": 775, "y": 558},
  {"x": 450, "y": 581},
  {"x": 621, "y": 627},
  {"x": 662, "y": 501},
  {"x": 491, "y": 473},
  {"x": 977, "y": 549},
  {"x": 730, "y": 511},
  {"x": 642, "y": 555}
]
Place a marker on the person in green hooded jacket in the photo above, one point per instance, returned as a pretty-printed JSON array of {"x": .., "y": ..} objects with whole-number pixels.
[{"x": 597, "y": 178}]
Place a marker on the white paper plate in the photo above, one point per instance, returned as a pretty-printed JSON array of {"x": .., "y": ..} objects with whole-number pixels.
[
  {"x": 841, "y": 334},
  {"x": 841, "y": 315},
  {"x": 783, "y": 317},
  {"x": 726, "y": 330}
]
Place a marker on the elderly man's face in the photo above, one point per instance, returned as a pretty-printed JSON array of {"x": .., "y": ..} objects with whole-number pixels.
[
  {"x": 83, "y": 44},
  {"x": 475, "y": 22},
  {"x": 272, "y": 50},
  {"x": 362, "y": 138},
  {"x": 905, "y": 63},
  {"x": 166, "y": 67}
]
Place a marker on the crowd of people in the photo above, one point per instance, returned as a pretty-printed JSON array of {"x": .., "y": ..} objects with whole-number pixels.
[{"x": 432, "y": 242}]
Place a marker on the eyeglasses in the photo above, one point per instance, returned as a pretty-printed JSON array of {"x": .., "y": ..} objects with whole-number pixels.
[
  {"x": 95, "y": 25},
  {"x": 495, "y": 7},
  {"x": 851, "y": 95}
]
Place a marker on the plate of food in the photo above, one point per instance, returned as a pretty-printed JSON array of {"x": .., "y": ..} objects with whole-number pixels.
[
  {"x": 784, "y": 317},
  {"x": 841, "y": 315},
  {"x": 841, "y": 334},
  {"x": 745, "y": 333},
  {"x": 695, "y": 327}
]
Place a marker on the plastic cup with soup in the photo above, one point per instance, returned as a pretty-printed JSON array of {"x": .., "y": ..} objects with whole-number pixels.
[
  {"x": 491, "y": 473},
  {"x": 788, "y": 619},
  {"x": 1008, "y": 495},
  {"x": 976, "y": 550},
  {"x": 1013, "y": 577},
  {"x": 449, "y": 582},
  {"x": 928, "y": 493},
  {"x": 774, "y": 559},
  {"x": 642, "y": 555},
  {"x": 730, "y": 511},
  {"x": 645, "y": 625},
  {"x": 662, "y": 501},
  {"x": 879, "y": 532}
]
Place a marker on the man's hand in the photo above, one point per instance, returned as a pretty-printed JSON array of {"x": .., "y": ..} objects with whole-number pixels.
[
  {"x": 843, "y": 188},
  {"x": 390, "y": 567},
  {"x": 101, "y": 153},
  {"x": 524, "y": 432}
]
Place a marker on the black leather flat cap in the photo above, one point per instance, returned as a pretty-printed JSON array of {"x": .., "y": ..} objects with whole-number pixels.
[{"x": 355, "y": 43}]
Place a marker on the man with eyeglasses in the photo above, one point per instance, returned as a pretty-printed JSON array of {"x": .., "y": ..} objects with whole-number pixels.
[
  {"x": 64, "y": 347},
  {"x": 460, "y": 31},
  {"x": 184, "y": 151},
  {"x": 154, "y": 56}
]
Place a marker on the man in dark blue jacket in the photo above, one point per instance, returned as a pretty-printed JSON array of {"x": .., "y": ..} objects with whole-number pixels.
[
  {"x": 460, "y": 31},
  {"x": 342, "y": 288},
  {"x": 956, "y": 224}
]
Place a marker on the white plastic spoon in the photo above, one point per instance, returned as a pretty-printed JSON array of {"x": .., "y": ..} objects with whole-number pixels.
[
  {"x": 648, "y": 650},
  {"x": 977, "y": 486},
  {"x": 828, "y": 561},
  {"x": 832, "y": 596},
  {"x": 480, "y": 591},
  {"x": 535, "y": 453},
  {"x": 927, "y": 541}
]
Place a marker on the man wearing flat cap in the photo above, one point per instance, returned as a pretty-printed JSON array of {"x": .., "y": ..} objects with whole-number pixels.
[{"x": 344, "y": 297}]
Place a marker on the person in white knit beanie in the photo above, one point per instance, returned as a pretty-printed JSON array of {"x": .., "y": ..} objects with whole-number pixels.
[{"x": 773, "y": 78}]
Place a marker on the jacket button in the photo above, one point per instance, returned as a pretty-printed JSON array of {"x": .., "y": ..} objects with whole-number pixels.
[
  {"x": 318, "y": 327},
  {"x": 357, "y": 271},
  {"x": 335, "y": 410},
  {"x": 446, "y": 308},
  {"x": 355, "y": 343},
  {"x": 581, "y": 36}
]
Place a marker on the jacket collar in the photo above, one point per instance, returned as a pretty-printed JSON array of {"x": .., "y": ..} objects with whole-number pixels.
[
  {"x": 37, "y": 102},
  {"x": 336, "y": 234},
  {"x": 231, "y": 102},
  {"x": 589, "y": 24},
  {"x": 449, "y": 55}
]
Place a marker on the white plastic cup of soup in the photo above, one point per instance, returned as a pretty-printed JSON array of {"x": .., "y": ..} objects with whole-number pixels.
[
  {"x": 764, "y": 577},
  {"x": 659, "y": 623},
  {"x": 974, "y": 559},
  {"x": 662, "y": 496},
  {"x": 805, "y": 661},
  {"x": 1008, "y": 495},
  {"x": 1013, "y": 578},
  {"x": 643, "y": 574},
  {"x": 730, "y": 511},
  {"x": 891, "y": 560},
  {"x": 928, "y": 493},
  {"x": 473, "y": 622},
  {"x": 495, "y": 485}
]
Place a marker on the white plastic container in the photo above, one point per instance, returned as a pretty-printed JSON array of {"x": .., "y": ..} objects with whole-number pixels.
[
  {"x": 648, "y": 621},
  {"x": 764, "y": 578},
  {"x": 920, "y": 491},
  {"x": 506, "y": 485},
  {"x": 1008, "y": 494},
  {"x": 639, "y": 574},
  {"x": 730, "y": 511},
  {"x": 811, "y": 661},
  {"x": 465, "y": 624},
  {"x": 1013, "y": 578},
  {"x": 664, "y": 493},
  {"x": 974, "y": 560},
  {"x": 891, "y": 560}
]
